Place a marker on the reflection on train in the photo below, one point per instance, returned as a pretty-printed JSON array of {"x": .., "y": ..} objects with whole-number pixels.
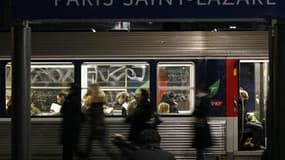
[{"x": 238, "y": 88}]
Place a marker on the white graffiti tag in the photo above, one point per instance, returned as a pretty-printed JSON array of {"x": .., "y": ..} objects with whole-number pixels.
[{"x": 115, "y": 73}]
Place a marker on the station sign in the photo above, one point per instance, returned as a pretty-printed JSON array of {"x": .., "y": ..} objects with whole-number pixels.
[{"x": 146, "y": 9}]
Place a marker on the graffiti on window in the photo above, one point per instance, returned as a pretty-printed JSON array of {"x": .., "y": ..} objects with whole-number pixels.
[
  {"x": 114, "y": 75},
  {"x": 51, "y": 77}
]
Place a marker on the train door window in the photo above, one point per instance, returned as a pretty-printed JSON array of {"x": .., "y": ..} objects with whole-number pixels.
[
  {"x": 49, "y": 86},
  {"x": 119, "y": 81},
  {"x": 254, "y": 87},
  {"x": 175, "y": 92}
]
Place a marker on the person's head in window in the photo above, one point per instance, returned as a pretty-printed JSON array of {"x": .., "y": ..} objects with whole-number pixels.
[
  {"x": 56, "y": 107},
  {"x": 60, "y": 98},
  {"x": 243, "y": 94},
  {"x": 163, "y": 107},
  {"x": 122, "y": 97}
]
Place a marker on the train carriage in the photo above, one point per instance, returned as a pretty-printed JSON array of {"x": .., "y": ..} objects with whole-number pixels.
[{"x": 163, "y": 62}]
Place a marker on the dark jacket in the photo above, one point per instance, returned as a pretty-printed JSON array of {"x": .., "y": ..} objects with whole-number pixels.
[
  {"x": 72, "y": 116},
  {"x": 202, "y": 137},
  {"x": 138, "y": 120},
  {"x": 97, "y": 120}
]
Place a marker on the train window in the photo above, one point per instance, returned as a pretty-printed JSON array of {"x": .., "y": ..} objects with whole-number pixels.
[
  {"x": 119, "y": 81},
  {"x": 175, "y": 92},
  {"x": 49, "y": 85},
  {"x": 254, "y": 83}
]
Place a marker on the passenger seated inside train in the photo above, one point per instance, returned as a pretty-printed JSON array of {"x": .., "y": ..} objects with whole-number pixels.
[
  {"x": 123, "y": 99},
  {"x": 253, "y": 133},
  {"x": 56, "y": 106},
  {"x": 169, "y": 98},
  {"x": 35, "y": 110},
  {"x": 132, "y": 103},
  {"x": 163, "y": 107}
]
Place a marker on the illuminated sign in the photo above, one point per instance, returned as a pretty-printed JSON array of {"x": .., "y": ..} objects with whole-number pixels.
[{"x": 146, "y": 9}]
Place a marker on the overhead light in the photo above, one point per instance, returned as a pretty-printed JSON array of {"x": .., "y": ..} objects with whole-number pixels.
[
  {"x": 93, "y": 30},
  {"x": 215, "y": 30},
  {"x": 122, "y": 26},
  {"x": 233, "y": 27}
]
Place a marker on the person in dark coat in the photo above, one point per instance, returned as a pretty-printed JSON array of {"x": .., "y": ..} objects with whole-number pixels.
[
  {"x": 71, "y": 113},
  {"x": 140, "y": 117},
  {"x": 95, "y": 99},
  {"x": 202, "y": 138}
]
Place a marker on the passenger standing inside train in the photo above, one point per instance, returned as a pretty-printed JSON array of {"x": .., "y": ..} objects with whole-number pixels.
[
  {"x": 141, "y": 117},
  {"x": 202, "y": 138},
  {"x": 94, "y": 100},
  {"x": 133, "y": 103},
  {"x": 72, "y": 116}
]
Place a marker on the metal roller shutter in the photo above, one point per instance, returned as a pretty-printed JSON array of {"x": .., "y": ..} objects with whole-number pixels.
[{"x": 143, "y": 44}]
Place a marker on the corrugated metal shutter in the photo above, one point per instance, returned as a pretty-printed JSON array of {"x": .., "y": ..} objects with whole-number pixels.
[
  {"x": 143, "y": 44},
  {"x": 176, "y": 135}
]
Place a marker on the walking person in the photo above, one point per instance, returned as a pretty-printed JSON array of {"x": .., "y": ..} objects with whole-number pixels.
[
  {"x": 72, "y": 116},
  {"x": 202, "y": 138},
  {"x": 95, "y": 99},
  {"x": 142, "y": 117}
]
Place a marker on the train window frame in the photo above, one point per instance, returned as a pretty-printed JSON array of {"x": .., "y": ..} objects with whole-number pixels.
[
  {"x": 123, "y": 88},
  {"x": 45, "y": 64},
  {"x": 191, "y": 99}
]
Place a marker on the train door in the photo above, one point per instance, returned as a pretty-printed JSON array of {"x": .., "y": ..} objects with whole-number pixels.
[{"x": 252, "y": 104}]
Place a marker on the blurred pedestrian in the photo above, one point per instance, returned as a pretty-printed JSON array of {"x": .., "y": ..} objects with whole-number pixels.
[
  {"x": 72, "y": 116},
  {"x": 142, "y": 117},
  {"x": 202, "y": 138},
  {"x": 94, "y": 100},
  {"x": 148, "y": 147}
]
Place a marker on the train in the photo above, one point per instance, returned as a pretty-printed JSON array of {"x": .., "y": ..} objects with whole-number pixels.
[{"x": 232, "y": 65}]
